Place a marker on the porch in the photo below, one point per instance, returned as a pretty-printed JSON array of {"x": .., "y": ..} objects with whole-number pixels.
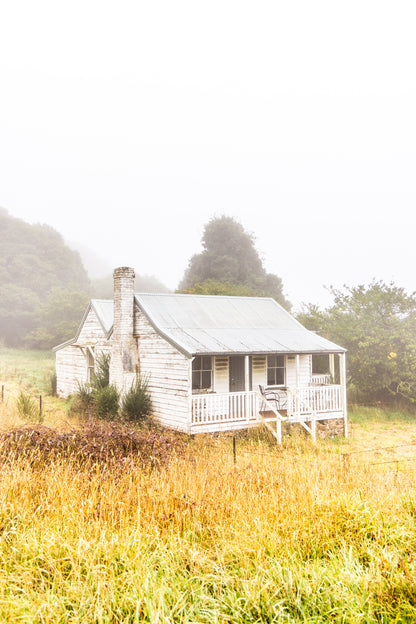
[{"x": 239, "y": 410}]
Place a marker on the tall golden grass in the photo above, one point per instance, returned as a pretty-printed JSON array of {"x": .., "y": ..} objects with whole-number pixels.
[
  {"x": 288, "y": 534},
  {"x": 291, "y": 534}
]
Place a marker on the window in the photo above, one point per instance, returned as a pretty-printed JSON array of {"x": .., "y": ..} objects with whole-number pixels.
[
  {"x": 202, "y": 372},
  {"x": 89, "y": 354},
  {"x": 275, "y": 370}
]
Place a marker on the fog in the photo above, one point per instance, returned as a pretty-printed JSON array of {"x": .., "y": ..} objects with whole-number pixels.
[{"x": 127, "y": 126}]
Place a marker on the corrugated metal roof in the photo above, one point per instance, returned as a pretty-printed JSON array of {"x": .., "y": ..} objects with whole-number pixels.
[
  {"x": 104, "y": 309},
  {"x": 219, "y": 325}
]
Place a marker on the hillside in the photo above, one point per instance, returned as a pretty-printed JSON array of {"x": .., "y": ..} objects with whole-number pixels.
[{"x": 35, "y": 265}]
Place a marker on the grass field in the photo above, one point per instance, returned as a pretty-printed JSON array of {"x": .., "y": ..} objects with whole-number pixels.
[
  {"x": 26, "y": 370},
  {"x": 298, "y": 533}
]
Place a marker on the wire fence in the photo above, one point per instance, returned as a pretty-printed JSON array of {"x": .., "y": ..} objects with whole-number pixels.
[{"x": 398, "y": 464}]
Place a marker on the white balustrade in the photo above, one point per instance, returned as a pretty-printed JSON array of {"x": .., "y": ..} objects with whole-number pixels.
[
  {"x": 318, "y": 399},
  {"x": 245, "y": 406},
  {"x": 224, "y": 407}
]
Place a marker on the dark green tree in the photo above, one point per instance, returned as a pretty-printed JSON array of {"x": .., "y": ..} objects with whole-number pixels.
[
  {"x": 229, "y": 257},
  {"x": 314, "y": 318},
  {"x": 377, "y": 324},
  {"x": 59, "y": 316},
  {"x": 212, "y": 287}
]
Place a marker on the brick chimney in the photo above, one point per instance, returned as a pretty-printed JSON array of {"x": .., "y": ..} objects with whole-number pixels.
[{"x": 124, "y": 354}]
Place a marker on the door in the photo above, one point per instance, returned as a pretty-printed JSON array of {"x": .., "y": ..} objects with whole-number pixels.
[{"x": 237, "y": 373}]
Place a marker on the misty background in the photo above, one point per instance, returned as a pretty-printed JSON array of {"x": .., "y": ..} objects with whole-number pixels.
[{"x": 128, "y": 126}]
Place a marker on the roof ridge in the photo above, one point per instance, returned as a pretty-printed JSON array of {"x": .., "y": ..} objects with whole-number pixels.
[{"x": 257, "y": 297}]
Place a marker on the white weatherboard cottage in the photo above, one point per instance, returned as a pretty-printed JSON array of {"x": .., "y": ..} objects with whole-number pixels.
[{"x": 213, "y": 363}]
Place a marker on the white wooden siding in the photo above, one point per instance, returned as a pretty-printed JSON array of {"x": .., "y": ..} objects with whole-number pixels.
[
  {"x": 221, "y": 374},
  {"x": 92, "y": 331},
  {"x": 305, "y": 370},
  {"x": 71, "y": 363},
  {"x": 168, "y": 373},
  {"x": 71, "y": 368}
]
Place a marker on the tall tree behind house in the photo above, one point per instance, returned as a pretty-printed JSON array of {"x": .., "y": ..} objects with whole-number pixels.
[{"x": 230, "y": 264}]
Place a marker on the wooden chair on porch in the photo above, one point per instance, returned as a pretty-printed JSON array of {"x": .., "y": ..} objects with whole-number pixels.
[{"x": 276, "y": 396}]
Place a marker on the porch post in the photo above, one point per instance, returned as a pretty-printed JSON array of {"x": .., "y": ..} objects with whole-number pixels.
[
  {"x": 190, "y": 404},
  {"x": 297, "y": 385},
  {"x": 343, "y": 382},
  {"x": 297, "y": 370},
  {"x": 247, "y": 385},
  {"x": 332, "y": 366}
]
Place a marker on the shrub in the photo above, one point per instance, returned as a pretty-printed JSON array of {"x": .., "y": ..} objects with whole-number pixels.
[
  {"x": 136, "y": 402},
  {"x": 83, "y": 400},
  {"x": 101, "y": 401},
  {"x": 27, "y": 407},
  {"x": 106, "y": 402},
  {"x": 97, "y": 397},
  {"x": 101, "y": 376}
]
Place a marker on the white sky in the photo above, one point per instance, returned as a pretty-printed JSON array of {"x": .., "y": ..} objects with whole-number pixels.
[{"x": 127, "y": 125}]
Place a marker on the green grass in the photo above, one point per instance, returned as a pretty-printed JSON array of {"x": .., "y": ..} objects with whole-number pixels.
[
  {"x": 29, "y": 370},
  {"x": 380, "y": 414}
]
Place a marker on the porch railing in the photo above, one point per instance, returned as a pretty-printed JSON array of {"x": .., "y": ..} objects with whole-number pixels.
[
  {"x": 314, "y": 399},
  {"x": 224, "y": 407},
  {"x": 230, "y": 407}
]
